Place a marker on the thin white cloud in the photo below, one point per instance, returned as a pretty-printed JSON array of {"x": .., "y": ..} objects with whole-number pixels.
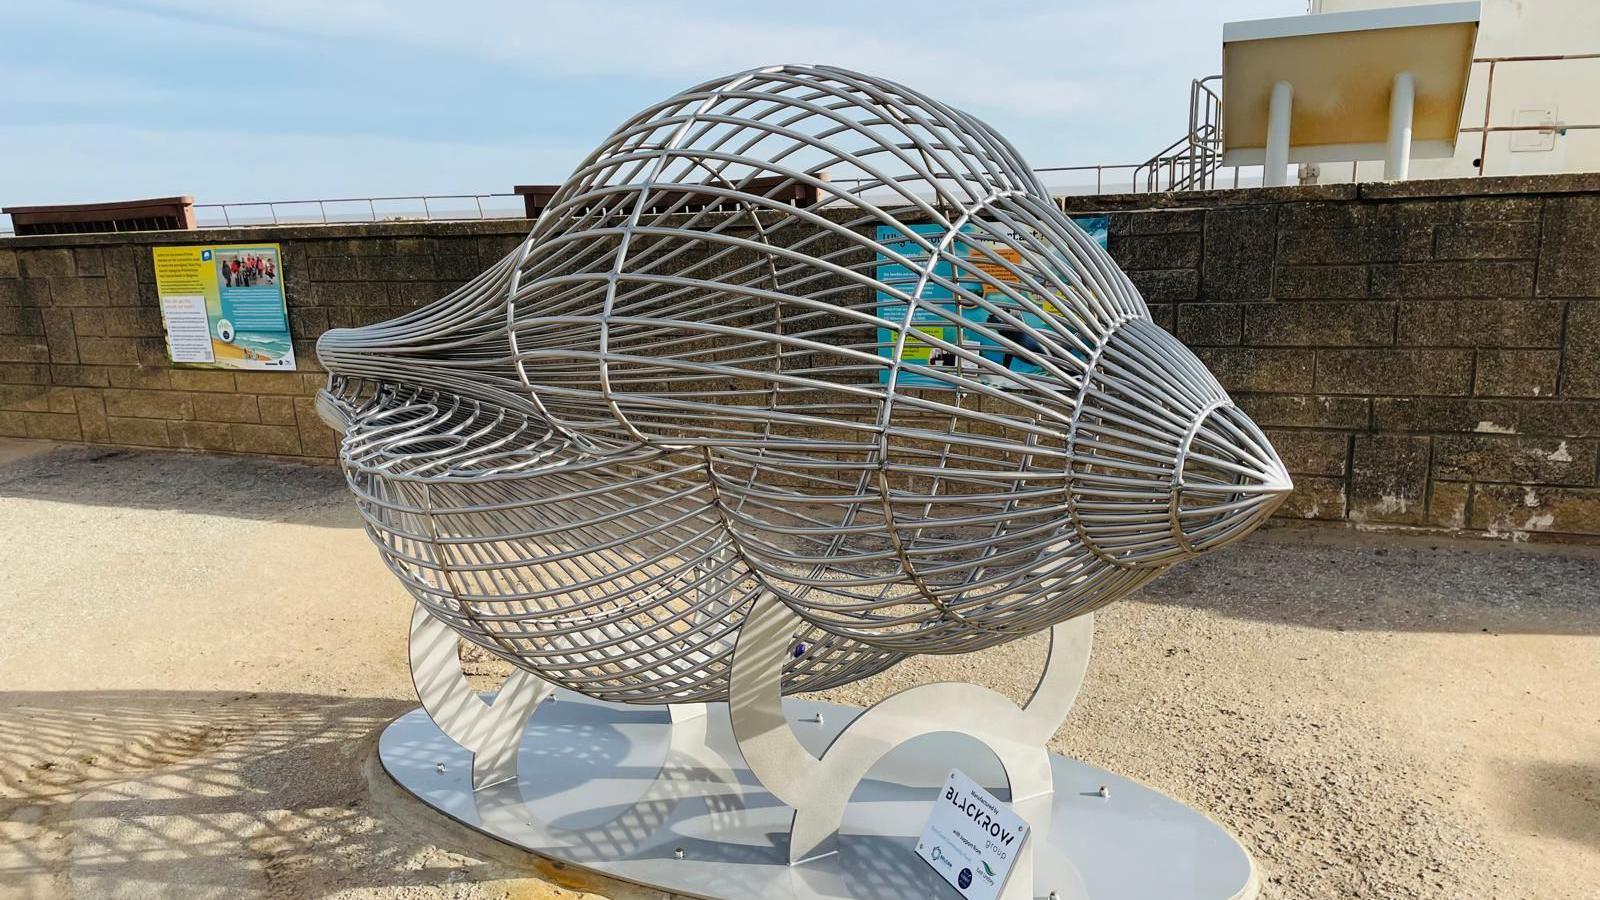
[
  {"x": 1015, "y": 61},
  {"x": 1087, "y": 81},
  {"x": 970, "y": 64},
  {"x": 84, "y": 163}
]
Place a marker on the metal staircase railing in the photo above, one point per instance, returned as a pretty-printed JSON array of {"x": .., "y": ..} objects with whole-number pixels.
[{"x": 1191, "y": 162}]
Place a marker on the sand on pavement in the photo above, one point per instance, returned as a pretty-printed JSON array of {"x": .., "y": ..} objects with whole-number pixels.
[{"x": 198, "y": 652}]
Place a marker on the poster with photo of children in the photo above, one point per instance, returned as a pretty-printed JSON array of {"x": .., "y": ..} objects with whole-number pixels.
[{"x": 224, "y": 306}]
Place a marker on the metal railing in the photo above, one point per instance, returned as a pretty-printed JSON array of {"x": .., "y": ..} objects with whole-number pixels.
[
  {"x": 345, "y": 210},
  {"x": 1098, "y": 179},
  {"x": 1130, "y": 178},
  {"x": 1191, "y": 162},
  {"x": 350, "y": 210},
  {"x": 1488, "y": 103},
  {"x": 1100, "y": 186}
]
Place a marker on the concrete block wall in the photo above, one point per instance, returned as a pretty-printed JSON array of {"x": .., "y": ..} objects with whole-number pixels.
[
  {"x": 83, "y": 358},
  {"x": 1424, "y": 355}
]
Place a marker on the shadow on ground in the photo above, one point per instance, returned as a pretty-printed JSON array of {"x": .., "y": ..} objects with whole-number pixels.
[
  {"x": 1330, "y": 578},
  {"x": 1556, "y": 799},
  {"x": 203, "y": 483},
  {"x": 169, "y": 789},
  {"x": 218, "y": 794}
]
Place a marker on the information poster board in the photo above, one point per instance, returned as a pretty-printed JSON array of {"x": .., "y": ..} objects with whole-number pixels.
[
  {"x": 927, "y": 320},
  {"x": 223, "y": 306}
]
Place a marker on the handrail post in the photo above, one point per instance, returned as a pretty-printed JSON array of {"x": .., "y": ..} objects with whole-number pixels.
[{"x": 1488, "y": 105}]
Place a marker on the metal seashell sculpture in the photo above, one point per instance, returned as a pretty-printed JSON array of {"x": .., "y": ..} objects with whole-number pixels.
[{"x": 799, "y": 333}]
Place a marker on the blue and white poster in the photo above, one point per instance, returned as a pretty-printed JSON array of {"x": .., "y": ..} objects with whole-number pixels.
[
  {"x": 939, "y": 315},
  {"x": 926, "y": 319}
]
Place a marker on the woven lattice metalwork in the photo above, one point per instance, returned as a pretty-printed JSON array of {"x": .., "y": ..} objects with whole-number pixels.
[{"x": 802, "y": 331}]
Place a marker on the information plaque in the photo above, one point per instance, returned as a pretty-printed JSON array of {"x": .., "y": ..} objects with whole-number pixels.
[{"x": 971, "y": 838}]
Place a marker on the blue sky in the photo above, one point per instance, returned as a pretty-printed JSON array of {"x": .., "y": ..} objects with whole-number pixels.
[{"x": 291, "y": 99}]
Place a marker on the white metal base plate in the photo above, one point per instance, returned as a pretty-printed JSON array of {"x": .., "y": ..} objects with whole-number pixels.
[{"x": 619, "y": 789}]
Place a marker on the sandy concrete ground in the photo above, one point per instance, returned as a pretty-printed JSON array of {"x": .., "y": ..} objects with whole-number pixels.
[{"x": 197, "y": 653}]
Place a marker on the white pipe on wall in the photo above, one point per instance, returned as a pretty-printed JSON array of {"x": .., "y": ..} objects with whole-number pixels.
[
  {"x": 1277, "y": 161},
  {"x": 1397, "y": 161}
]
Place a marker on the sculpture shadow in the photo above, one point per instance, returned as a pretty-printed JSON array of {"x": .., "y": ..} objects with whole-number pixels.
[{"x": 214, "y": 794}]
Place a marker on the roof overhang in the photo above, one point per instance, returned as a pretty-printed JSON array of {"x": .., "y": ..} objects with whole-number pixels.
[{"x": 1342, "y": 67}]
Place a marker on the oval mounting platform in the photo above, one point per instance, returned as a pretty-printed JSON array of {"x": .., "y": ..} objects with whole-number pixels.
[{"x": 619, "y": 790}]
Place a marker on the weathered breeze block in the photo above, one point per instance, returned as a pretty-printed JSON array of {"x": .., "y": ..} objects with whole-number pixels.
[
  {"x": 1424, "y": 354},
  {"x": 82, "y": 355}
]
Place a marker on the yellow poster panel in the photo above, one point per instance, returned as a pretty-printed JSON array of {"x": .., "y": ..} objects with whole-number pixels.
[
  {"x": 223, "y": 306},
  {"x": 1006, "y": 276}
]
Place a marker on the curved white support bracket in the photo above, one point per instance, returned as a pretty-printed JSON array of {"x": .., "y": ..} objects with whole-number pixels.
[
  {"x": 492, "y": 731},
  {"x": 819, "y": 789},
  {"x": 690, "y": 770}
]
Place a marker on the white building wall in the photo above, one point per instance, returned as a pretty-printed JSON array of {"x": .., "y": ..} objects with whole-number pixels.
[{"x": 1524, "y": 93}]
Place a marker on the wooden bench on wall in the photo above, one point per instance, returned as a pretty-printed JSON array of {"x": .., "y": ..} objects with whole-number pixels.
[
  {"x": 157, "y": 214},
  {"x": 536, "y": 198}
]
